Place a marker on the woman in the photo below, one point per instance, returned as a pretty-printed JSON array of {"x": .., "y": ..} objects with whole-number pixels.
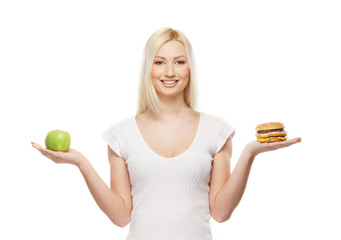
[{"x": 170, "y": 165}]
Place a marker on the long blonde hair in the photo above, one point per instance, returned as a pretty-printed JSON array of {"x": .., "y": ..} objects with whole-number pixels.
[{"x": 148, "y": 98}]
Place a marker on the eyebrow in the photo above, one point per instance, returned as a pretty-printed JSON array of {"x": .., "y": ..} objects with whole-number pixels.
[{"x": 174, "y": 58}]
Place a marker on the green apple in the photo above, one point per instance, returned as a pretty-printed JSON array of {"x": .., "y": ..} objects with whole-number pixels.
[{"x": 58, "y": 140}]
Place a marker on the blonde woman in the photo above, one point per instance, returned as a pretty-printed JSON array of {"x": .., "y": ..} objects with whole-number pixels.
[{"x": 170, "y": 165}]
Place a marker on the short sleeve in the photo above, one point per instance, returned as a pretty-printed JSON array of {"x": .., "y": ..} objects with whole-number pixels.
[
  {"x": 112, "y": 137},
  {"x": 224, "y": 130}
]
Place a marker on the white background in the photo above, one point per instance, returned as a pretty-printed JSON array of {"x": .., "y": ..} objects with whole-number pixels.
[{"x": 74, "y": 65}]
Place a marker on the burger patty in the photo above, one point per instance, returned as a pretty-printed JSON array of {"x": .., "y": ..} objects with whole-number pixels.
[{"x": 270, "y": 130}]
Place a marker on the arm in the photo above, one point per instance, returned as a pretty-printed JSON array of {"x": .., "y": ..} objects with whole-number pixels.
[
  {"x": 231, "y": 186},
  {"x": 227, "y": 189},
  {"x": 115, "y": 202},
  {"x": 112, "y": 201}
]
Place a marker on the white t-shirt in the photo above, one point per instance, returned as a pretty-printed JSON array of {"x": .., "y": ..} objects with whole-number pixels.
[{"x": 170, "y": 195}]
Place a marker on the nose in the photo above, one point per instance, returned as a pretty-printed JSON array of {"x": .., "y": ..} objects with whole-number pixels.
[{"x": 169, "y": 73}]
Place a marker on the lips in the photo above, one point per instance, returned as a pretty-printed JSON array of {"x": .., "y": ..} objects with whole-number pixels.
[{"x": 169, "y": 83}]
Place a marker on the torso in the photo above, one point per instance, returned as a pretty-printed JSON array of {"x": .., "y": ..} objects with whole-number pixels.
[{"x": 169, "y": 139}]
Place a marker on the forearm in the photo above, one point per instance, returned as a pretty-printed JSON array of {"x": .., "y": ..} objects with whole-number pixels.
[
  {"x": 109, "y": 201},
  {"x": 230, "y": 194}
]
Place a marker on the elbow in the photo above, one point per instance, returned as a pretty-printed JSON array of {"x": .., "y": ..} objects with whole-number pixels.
[
  {"x": 121, "y": 222},
  {"x": 220, "y": 218}
]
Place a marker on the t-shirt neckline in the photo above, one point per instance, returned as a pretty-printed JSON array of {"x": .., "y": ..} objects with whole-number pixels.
[{"x": 177, "y": 156}]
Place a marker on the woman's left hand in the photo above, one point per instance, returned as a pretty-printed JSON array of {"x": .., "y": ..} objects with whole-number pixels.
[{"x": 256, "y": 147}]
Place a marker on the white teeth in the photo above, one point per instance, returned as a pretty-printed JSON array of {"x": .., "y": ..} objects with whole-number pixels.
[{"x": 169, "y": 82}]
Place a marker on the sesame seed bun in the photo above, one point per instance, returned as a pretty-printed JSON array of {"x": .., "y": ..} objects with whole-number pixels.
[{"x": 269, "y": 126}]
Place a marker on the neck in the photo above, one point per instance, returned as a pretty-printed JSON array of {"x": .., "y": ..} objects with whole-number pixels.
[{"x": 172, "y": 108}]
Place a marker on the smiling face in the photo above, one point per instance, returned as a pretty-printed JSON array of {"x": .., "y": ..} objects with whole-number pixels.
[{"x": 170, "y": 73}]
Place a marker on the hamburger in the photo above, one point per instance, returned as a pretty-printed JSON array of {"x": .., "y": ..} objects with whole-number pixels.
[{"x": 271, "y": 132}]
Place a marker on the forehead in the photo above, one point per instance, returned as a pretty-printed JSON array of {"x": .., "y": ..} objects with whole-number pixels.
[{"x": 172, "y": 48}]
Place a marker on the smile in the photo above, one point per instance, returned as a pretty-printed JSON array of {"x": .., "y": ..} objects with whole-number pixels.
[{"x": 167, "y": 83}]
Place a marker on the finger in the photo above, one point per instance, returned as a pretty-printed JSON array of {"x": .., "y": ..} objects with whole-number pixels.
[
  {"x": 288, "y": 143},
  {"x": 36, "y": 145},
  {"x": 44, "y": 151},
  {"x": 293, "y": 141},
  {"x": 40, "y": 148},
  {"x": 275, "y": 145}
]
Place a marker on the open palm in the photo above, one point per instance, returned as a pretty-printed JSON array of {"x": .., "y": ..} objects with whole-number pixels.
[
  {"x": 256, "y": 147},
  {"x": 72, "y": 156}
]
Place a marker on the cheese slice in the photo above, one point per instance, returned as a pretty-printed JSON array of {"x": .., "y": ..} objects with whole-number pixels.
[{"x": 262, "y": 140}]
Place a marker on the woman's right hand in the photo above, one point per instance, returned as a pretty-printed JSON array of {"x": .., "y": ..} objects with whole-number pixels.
[
  {"x": 72, "y": 156},
  {"x": 255, "y": 147}
]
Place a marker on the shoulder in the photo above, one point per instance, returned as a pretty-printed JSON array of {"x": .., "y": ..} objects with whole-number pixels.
[
  {"x": 218, "y": 126},
  {"x": 219, "y": 130},
  {"x": 123, "y": 122},
  {"x": 217, "y": 121},
  {"x": 120, "y": 125},
  {"x": 117, "y": 134}
]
